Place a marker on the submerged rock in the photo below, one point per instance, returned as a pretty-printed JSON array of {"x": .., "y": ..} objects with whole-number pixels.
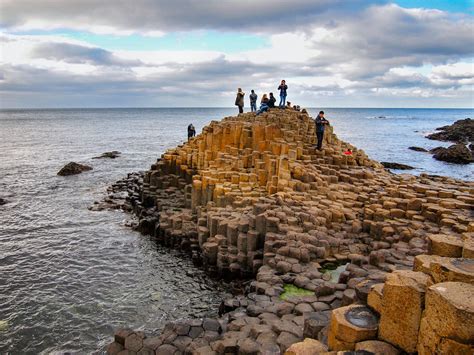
[
  {"x": 457, "y": 153},
  {"x": 459, "y": 131},
  {"x": 418, "y": 149},
  {"x": 73, "y": 168},
  {"x": 111, "y": 155},
  {"x": 398, "y": 166}
]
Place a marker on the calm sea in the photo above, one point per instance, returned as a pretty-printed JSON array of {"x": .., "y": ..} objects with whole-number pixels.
[{"x": 68, "y": 276}]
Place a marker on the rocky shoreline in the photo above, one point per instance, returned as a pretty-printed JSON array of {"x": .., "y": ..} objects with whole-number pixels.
[{"x": 251, "y": 198}]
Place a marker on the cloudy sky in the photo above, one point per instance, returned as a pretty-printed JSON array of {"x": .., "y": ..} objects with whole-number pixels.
[{"x": 158, "y": 53}]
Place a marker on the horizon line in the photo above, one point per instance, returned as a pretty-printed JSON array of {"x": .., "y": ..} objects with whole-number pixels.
[{"x": 223, "y": 107}]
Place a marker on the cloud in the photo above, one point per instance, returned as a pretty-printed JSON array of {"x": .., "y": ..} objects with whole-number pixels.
[
  {"x": 366, "y": 55},
  {"x": 157, "y": 16}
]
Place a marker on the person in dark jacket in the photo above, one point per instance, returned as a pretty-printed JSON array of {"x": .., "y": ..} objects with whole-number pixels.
[
  {"x": 239, "y": 100},
  {"x": 191, "y": 131},
  {"x": 321, "y": 123},
  {"x": 283, "y": 87},
  {"x": 271, "y": 100},
  {"x": 253, "y": 101}
]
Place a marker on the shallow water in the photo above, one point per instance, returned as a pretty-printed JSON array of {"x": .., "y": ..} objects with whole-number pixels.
[{"x": 68, "y": 276}]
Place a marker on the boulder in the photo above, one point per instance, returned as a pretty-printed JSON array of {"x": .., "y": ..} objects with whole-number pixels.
[
  {"x": 396, "y": 166},
  {"x": 73, "y": 168},
  {"x": 456, "y": 153}
]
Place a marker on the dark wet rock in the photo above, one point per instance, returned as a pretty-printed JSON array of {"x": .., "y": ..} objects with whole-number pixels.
[
  {"x": 418, "y": 149},
  {"x": 114, "y": 348},
  {"x": 460, "y": 131},
  {"x": 286, "y": 339},
  {"x": 134, "y": 342},
  {"x": 166, "y": 349},
  {"x": 73, "y": 168},
  {"x": 121, "y": 335},
  {"x": 3, "y": 201},
  {"x": 397, "y": 166},
  {"x": 111, "y": 155},
  {"x": 457, "y": 153},
  {"x": 249, "y": 347},
  {"x": 211, "y": 325}
]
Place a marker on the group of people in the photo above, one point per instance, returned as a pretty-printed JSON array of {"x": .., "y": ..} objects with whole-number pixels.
[
  {"x": 265, "y": 103},
  {"x": 269, "y": 102}
]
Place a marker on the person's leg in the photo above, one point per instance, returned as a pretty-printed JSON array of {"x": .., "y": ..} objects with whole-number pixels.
[
  {"x": 241, "y": 109},
  {"x": 320, "y": 136},
  {"x": 281, "y": 101}
]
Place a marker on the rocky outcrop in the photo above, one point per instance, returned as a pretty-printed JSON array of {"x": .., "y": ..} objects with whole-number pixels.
[
  {"x": 457, "y": 153},
  {"x": 73, "y": 168},
  {"x": 396, "y": 166},
  {"x": 461, "y": 131},
  {"x": 252, "y": 198},
  {"x": 111, "y": 155},
  {"x": 418, "y": 149}
]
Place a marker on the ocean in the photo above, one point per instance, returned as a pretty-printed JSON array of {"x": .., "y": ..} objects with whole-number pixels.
[{"x": 69, "y": 276}]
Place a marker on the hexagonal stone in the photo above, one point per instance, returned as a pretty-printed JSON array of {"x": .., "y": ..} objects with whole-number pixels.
[
  {"x": 285, "y": 340},
  {"x": 166, "y": 349},
  {"x": 114, "y": 348},
  {"x": 121, "y": 334},
  {"x": 211, "y": 324},
  {"x": 134, "y": 342}
]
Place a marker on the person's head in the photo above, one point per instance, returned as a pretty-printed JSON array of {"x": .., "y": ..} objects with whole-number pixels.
[
  {"x": 239, "y": 90},
  {"x": 271, "y": 94},
  {"x": 283, "y": 82},
  {"x": 321, "y": 113},
  {"x": 288, "y": 104},
  {"x": 253, "y": 92},
  {"x": 264, "y": 96}
]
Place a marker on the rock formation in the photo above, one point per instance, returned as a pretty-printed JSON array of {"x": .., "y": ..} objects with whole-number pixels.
[
  {"x": 73, "y": 168},
  {"x": 396, "y": 166},
  {"x": 456, "y": 153},
  {"x": 111, "y": 155},
  {"x": 461, "y": 131},
  {"x": 252, "y": 197}
]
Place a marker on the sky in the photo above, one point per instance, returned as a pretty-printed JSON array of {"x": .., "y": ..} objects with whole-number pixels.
[{"x": 196, "y": 53}]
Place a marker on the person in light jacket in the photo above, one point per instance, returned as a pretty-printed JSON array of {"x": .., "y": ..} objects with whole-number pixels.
[
  {"x": 283, "y": 87},
  {"x": 239, "y": 100}
]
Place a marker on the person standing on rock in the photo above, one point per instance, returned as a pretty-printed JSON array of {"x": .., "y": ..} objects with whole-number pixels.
[
  {"x": 283, "y": 87},
  {"x": 321, "y": 123},
  {"x": 239, "y": 100},
  {"x": 271, "y": 101},
  {"x": 191, "y": 131},
  {"x": 253, "y": 101}
]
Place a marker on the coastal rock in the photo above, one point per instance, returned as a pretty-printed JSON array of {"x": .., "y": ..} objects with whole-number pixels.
[
  {"x": 460, "y": 131},
  {"x": 250, "y": 197},
  {"x": 3, "y": 201},
  {"x": 73, "y": 168},
  {"x": 456, "y": 153},
  {"x": 418, "y": 149},
  {"x": 397, "y": 166},
  {"x": 111, "y": 155}
]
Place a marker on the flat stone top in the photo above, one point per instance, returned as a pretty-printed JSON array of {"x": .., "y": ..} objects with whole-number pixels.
[
  {"x": 459, "y": 294},
  {"x": 362, "y": 317},
  {"x": 464, "y": 264}
]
